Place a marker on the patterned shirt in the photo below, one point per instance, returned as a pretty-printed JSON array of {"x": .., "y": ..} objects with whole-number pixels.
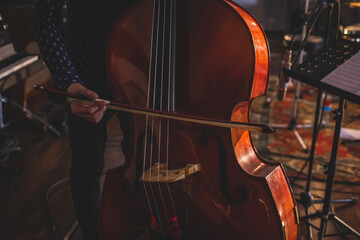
[{"x": 75, "y": 50}]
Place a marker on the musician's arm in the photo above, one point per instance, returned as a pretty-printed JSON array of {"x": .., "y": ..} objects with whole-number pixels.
[{"x": 47, "y": 28}]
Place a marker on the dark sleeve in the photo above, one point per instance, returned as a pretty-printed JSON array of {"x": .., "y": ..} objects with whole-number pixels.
[{"x": 47, "y": 23}]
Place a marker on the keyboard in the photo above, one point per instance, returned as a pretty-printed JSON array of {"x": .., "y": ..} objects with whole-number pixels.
[
  {"x": 15, "y": 66},
  {"x": 15, "y": 63}
]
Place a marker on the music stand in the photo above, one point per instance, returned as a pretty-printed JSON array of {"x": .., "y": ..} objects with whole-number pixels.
[{"x": 311, "y": 72}]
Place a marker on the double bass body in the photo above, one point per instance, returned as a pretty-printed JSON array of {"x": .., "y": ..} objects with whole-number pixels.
[{"x": 217, "y": 58}]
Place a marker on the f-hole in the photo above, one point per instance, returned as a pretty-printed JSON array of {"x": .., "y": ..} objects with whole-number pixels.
[{"x": 242, "y": 193}]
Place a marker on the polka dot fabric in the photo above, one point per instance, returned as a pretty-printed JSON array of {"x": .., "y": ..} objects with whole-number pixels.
[{"x": 75, "y": 51}]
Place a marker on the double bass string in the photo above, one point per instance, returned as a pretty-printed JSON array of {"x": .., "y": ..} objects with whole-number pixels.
[
  {"x": 164, "y": 36},
  {"x": 165, "y": 33},
  {"x": 160, "y": 88},
  {"x": 161, "y": 108},
  {"x": 155, "y": 84},
  {"x": 144, "y": 184},
  {"x": 154, "y": 106},
  {"x": 156, "y": 19},
  {"x": 170, "y": 99}
]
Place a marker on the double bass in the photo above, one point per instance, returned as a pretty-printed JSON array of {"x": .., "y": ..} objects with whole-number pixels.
[{"x": 184, "y": 180}]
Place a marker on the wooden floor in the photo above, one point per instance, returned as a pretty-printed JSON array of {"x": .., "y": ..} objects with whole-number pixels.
[{"x": 36, "y": 201}]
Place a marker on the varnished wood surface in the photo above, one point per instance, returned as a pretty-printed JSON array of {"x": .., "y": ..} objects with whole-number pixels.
[{"x": 226, "y": 61}]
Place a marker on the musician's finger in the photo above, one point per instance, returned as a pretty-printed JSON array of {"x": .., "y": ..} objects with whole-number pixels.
[
  {"x": 81, "y": 109},
  {"x": 86, "y": 111},
  {"x": 95, "y": 117},
  {"x": 98, "y": 115},
  {"x": 92, "y": 113}
]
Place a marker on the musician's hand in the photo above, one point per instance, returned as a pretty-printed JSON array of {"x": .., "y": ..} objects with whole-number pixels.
[{"x": 92, "y": 112}]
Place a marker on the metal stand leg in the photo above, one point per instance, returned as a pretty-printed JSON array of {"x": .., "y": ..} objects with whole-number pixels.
[
  {"x": 26, "y": 111},
  {"x": 306, "y": 198},
  {"x": 8, "y": 143},
  {"x": 293, "y": 127},
  {"x": 2, "y": 125},
  {"x": 331, "y": 171}
]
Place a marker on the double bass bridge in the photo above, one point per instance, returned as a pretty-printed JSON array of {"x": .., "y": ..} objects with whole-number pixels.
[{"x": 159, "y": 173}]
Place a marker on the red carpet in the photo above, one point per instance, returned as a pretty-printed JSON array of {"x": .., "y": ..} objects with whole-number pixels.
[{"x": 283, "y": 145}]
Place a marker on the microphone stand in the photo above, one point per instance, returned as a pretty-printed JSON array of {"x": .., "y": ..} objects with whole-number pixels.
[{"x": 292, "y": 125}]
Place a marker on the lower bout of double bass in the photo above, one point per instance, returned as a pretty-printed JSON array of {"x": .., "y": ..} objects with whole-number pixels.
[{"x": 221, "y": 201}]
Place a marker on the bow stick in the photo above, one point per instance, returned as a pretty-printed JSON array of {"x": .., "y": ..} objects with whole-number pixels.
[{"x": 75, "y": 98}]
